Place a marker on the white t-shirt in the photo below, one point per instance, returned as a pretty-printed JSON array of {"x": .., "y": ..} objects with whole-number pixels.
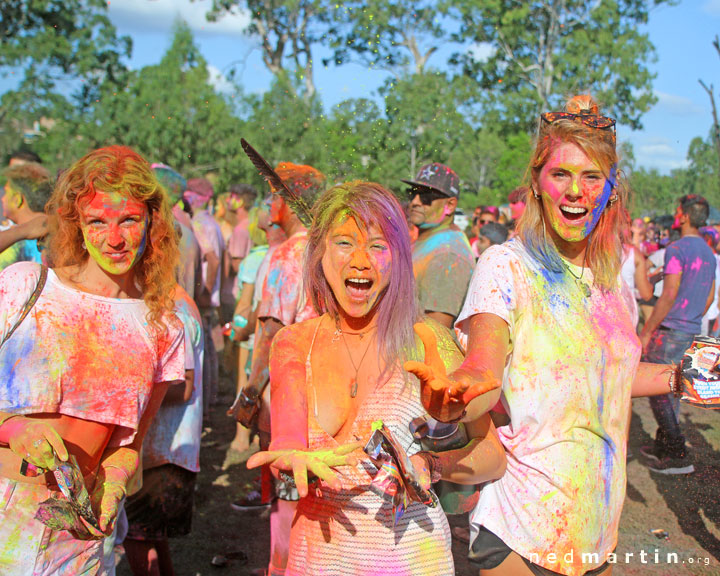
[
  {"x": 81, "y": 354},
  {"x": 714, "y": 310},
  {"x": 627, "y": 273},
  {"x": 657, "y": 259},
  {"x": 566, "y": 389},
  {"x": 209, "y": 236},
  {"x": 174, "y": 435}
]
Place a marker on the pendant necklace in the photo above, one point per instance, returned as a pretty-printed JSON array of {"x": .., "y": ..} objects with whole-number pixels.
[
  {"x": 354, "y": 385},
  {"x": 584, "y": 288}
]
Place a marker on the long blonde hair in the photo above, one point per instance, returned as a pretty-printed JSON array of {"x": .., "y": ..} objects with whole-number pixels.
[{"x": 604, "y": 250}]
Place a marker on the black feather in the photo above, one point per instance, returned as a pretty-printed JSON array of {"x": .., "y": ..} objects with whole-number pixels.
[{"x": 296, "y": 203}]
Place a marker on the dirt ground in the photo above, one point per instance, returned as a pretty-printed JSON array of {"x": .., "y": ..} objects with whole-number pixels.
[{"x": 686, "y": 507}]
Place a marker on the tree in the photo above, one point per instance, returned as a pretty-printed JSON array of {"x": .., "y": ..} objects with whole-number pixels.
[
  {"x": 547, "y": 49},
  {"x": 398, "y": 35},
  {"x": 51, "y": 45},
  {"x": 701, "y": 175},
  {"x": 168, "y": 112},
  {"x": 652, "y": 193},
  {"x": 287, "y": 30},
  {"x": 354, "y": 139},
  {"x": 711, "y": 93},
  {"x": 425, "y": 123}
]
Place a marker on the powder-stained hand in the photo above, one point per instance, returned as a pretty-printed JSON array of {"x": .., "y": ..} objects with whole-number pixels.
[
  {"x": 443, "y": 398},
  {"x": 300, "y": 462}
]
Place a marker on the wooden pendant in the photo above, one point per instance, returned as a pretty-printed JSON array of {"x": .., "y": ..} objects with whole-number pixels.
[{"x": 353, "y": 389}]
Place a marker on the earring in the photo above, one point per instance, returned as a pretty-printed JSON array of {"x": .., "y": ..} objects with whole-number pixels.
[
  {"x": 84, "y": 247},
  {"x": 537, "y": 196},
  {"x": 613, "y": 199}
]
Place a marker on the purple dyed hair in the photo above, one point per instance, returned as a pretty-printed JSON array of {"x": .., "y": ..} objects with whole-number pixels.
[{"x": 371, "y": 205}]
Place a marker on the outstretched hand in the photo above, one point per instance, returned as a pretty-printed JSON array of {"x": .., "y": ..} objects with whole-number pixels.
[
  {"x": 443, "y": 398},
  {"x": 299, "y": 462}
]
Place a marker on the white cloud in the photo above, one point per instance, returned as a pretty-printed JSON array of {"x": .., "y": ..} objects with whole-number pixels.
[
  {"x": 712, "y": 7},
  {"x": 159, "y": 15},
  {"x": 481, "y": 51},
  {"x": 660, "y": 153},
  {"x": 679, "y": 105},
  {"x": 219, "y": 81}
]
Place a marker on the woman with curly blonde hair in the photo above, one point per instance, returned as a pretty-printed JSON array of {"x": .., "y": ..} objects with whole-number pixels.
[
  {"x": 88, "y": 350},
  {"x": 117, "y": 170}
]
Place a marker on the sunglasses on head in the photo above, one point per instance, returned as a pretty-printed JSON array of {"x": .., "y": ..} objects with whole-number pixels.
[
  {"x": 426, "y": 196},
  {"x": 589, "y": 120}
]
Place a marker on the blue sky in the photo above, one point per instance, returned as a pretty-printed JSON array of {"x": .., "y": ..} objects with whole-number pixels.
[{"x": 682, "y": 35}]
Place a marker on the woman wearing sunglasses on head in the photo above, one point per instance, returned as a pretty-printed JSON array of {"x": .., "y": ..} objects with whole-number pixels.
[{"x": 548, "y": 315}]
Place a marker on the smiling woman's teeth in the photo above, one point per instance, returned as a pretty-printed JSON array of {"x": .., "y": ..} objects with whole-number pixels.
[
  {"x": 573, "y": 210},
  {"x": 359, "y": 282}
]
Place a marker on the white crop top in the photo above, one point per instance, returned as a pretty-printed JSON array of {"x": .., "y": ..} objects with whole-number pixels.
[{"x": 80, "y": 354}]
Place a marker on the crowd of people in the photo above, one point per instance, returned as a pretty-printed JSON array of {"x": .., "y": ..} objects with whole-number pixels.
[{"x": 502, "y": 358}]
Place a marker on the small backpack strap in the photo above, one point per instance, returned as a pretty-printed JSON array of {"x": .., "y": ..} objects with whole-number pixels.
[{"x": 30, "y": 303}]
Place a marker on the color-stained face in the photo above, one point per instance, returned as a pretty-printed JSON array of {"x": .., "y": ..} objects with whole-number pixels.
[
  {"x": 276, "y": 208},
  {"x": 9, "y": 200},
  {"x": 430, "y": 215},
  {"x": 573, "y": 191},
  {"x": 115, "y": 230},
  {"x": 233, "y": 203},
  {"x": 357, "y": 265}
]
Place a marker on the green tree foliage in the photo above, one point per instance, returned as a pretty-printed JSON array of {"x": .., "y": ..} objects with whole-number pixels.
[
  {"x": 701, "y": 175},
  {"x": 284, "y": 126},
  {"x": 479, "y": 123},
  {"x": 61, "y": 51},
  {"x": 287, "y": 30},
  {"x": 652, "y": 193},
  {"x": 398, "y": 35},
  {"x": 425, "y": 122},
  {"x": 354, "y": 140},
  {"x": 547, "y": 49},
  {"x": 169, "y": 112}
]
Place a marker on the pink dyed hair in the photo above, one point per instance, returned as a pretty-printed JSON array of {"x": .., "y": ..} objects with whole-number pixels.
[{"x": 371, "y": 205}]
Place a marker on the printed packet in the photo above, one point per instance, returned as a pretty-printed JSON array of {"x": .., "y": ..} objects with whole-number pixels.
[
  {"x": 73, "y": 511},
  {"x": 700, "y": 373},
  {"x": 396, "y": 476}
]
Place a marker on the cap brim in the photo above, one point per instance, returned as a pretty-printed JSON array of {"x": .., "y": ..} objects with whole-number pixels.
[{"x": 426, "y": 186}]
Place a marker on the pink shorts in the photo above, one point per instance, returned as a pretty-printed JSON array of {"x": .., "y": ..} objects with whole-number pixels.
[{"x": 29, "y": 548}]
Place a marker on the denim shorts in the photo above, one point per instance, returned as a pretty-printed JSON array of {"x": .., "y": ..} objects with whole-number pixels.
[{"x": 488, "y": 551}]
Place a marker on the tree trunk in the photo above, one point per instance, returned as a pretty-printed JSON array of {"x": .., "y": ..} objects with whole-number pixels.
[{"x": 716, "y": 126}]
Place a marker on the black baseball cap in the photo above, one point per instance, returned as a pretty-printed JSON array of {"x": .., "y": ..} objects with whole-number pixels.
[{"x": 437, "y": 177}]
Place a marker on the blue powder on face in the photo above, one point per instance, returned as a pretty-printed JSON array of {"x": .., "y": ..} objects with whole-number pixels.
[{"x": 603, "y": 200}]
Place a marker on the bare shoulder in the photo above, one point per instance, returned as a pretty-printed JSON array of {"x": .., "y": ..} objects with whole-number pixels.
[{"x": 296, "y": 337}]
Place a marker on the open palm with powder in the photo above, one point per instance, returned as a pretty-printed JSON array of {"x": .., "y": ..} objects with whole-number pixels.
[{"x": 444, "y": 399}]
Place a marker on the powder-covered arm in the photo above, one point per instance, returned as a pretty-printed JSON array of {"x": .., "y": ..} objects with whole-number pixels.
[
  {"x": 118, "y": 465},
  {"x": 289, "y": 406},
  {"x": 481, "y": 460},
  {"x": 289, "y": 409},
  {"x": 652, "y": 379}
]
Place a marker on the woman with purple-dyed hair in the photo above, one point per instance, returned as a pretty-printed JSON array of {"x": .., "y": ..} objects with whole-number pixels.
[{"x": 332, "y": 377}]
